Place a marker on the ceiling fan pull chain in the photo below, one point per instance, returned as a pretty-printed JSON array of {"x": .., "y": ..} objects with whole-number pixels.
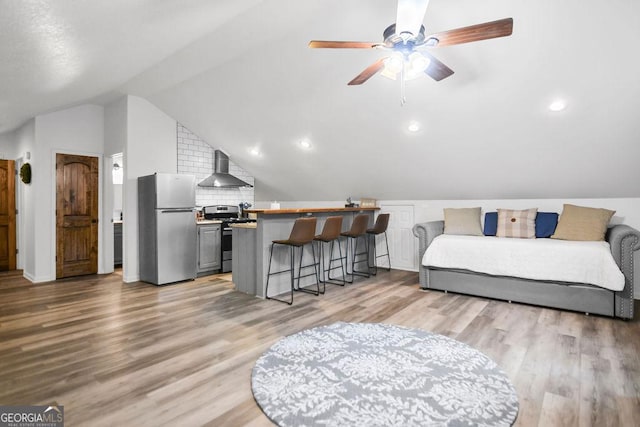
[
  {"x": 402, "y": 86},
  {"x": 406, "y": 37}
]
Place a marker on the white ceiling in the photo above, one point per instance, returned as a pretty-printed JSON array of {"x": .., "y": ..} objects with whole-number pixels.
[
  {"x": 240, "y": 75},
  {"x": 57, "y": 53}
]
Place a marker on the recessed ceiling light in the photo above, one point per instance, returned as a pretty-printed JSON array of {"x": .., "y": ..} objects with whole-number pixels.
[
  {"x": 557, "y": 105},
  {"x": 255, "y": 151},
  {"x": 413, "y": 127},
  {"x": 305, "y": 144}
]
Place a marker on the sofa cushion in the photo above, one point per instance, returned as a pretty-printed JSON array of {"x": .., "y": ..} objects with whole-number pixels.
[
  {"x": 546, "y": 223},
  {"x": 517, "y": 223},
  {"x": 536, "y": 259},
  {"x": 462, "y": 221},
  {"x": 490, "y": 223},
  {"x": 582, "y": 223}
]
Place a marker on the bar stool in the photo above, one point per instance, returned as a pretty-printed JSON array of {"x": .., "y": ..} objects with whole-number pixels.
[
  {"x": 380, "y": 227},
  {"x": 358, "y": 229},
  {"x": 302, "y": 233},
  {"x": 330, "y": 233}
]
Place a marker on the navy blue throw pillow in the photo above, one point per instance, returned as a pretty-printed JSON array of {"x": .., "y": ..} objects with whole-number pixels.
[
  {"x": 546, "y": 223},
  {"x": 491, "y": 223}
]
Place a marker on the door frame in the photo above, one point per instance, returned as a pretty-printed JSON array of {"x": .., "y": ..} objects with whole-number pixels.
[
  {"x": 107, "y": 225},
  {"x": 108, "y": 205},
  {"x": 19, "y": 216},
  {"x": 54, "y": 233}
]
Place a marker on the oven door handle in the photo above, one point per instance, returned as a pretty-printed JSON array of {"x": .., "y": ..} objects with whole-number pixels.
[{"x": 226, "y": 231}]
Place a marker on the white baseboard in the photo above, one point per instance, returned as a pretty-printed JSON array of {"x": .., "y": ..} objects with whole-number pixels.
[{"x": 131, "y": 279}]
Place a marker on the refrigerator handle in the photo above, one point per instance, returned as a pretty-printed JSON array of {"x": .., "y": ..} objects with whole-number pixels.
[{"x": 176, "y": 210}]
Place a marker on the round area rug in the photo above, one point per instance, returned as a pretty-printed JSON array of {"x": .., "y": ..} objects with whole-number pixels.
[{"x": 373, "y": 374}]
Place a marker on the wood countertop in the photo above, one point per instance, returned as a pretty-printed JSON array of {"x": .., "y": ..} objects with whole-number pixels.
[
  {"x": 306, "y": 210},
  {"x": 208, "y": 221},
  {"x": 244, "y": 225}
]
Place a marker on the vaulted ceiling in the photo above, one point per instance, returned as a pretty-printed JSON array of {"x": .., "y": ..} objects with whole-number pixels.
[{"x": 240, "y": 75}]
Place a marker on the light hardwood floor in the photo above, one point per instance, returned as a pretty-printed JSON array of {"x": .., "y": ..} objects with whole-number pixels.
[{"x": 119, "y": 354}]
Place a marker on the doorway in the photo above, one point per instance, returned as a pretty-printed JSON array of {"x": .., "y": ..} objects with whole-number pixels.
[
  {"x": 76, "y": 215},
  {"x": 117, "y": 174},
  {"x": 7, "y": 215}
]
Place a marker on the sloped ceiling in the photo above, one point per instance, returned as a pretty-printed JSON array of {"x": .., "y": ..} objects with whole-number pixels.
[
  {"x": 486, "y": 132},
  {"x": 58, "y": 53}
]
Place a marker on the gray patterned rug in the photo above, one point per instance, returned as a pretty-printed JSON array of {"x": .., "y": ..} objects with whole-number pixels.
[{"x": 373, "y": 374}]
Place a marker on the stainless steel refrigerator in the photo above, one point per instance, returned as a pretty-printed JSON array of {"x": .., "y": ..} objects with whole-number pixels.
[{"x": 166, "y": 228}]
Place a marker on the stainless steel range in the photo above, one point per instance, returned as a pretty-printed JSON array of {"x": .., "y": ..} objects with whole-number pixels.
[{"x": 228, "y": 214}]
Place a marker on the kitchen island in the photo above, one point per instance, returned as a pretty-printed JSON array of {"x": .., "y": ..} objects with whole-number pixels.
[{"x": 252, "y": 246}]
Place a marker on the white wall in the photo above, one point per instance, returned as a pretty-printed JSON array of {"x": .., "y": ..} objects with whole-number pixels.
[
  {"x": 117, "y": 159},
  {"x": 25, "y": 141},
  {"x": 145, "y": 135},
  {"x": 131, "y": 125},
  {"x": 302, "y": 204},
  {"x": 78, "y": 130},
  {"x": 7, "y": 146},
  {"x": 115, "y": 141},
  {"x": 117, "y": 199},
  {"x": 627, "y": 209},
  {"x": 150, "y": 147},
  {"x": 115, "y": 126}
]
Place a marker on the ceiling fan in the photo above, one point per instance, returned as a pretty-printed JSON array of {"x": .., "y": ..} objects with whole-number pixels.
[{"x": 407, "y": 42}]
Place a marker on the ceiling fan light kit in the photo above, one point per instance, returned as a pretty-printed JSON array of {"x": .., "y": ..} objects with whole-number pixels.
[{"x": 408, "y": 44}]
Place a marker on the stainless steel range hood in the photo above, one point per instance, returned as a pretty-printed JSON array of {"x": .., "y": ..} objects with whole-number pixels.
[{"x": 220, "y": 177}]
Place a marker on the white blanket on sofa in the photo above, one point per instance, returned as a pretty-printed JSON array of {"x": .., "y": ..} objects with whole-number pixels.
[{"x": 538, "y": 259}]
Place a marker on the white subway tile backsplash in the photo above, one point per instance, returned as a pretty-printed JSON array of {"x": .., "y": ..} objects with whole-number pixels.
[{"x": 195, "y": 157}]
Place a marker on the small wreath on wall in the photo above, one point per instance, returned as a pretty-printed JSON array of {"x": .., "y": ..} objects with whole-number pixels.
[{"x": 25, "y": 173}]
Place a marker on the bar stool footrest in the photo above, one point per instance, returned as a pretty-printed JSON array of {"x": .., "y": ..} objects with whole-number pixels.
[{"x": 279, "y": 300}]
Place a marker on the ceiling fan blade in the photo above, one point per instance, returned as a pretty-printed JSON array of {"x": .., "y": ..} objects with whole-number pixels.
[
  {"x": 474, "y": 33},
  {"x": 315, "y": 44},
  {"x": 369, "y": 72},
  {"x": 410, "y": 16},
  {"x": 436, "y": 69}
]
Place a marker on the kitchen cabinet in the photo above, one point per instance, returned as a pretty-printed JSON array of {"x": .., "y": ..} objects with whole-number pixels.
[
  {"x": 117, "y": 244},
  {"x": 209, "y": 241}
]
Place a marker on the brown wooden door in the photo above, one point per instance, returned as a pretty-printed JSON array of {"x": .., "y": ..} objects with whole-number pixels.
[
  {"x": 7, "y": 215},
  {"x": 76, "y": 215}
]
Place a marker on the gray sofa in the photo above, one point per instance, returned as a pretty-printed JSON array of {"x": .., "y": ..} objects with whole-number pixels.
[{"x": 623, "y": 240}]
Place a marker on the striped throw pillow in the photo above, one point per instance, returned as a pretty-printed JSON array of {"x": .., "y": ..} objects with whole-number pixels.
[{"x": 519, "y": 224}]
